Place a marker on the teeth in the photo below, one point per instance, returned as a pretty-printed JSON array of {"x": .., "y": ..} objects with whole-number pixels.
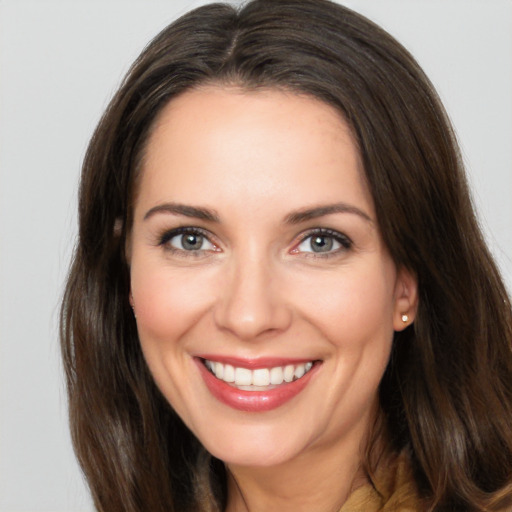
[
  {"x": 289, "y": 371},
  {"x": 218, "y": 370},
  {"x": 243, "y": 377},
  {"x": 260, "y": 378},
  {"x": 276, "y": 376},
  {"x": 229, "y": 373},
  {"x": 299, "y": 371}
]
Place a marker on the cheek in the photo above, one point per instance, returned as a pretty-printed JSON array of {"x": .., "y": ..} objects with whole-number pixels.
[
  {"x": 168, "y": 302},
  {"x": 353, "y": 307}
]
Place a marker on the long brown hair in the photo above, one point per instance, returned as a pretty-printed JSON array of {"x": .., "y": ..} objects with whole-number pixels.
[{"x": 446, "y": 395}]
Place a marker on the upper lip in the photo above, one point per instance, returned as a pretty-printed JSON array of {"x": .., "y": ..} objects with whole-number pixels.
[{"x": 256, "y": 362}]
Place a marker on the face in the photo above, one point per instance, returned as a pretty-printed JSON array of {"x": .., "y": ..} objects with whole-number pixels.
[{"x": 265, "y": 298}]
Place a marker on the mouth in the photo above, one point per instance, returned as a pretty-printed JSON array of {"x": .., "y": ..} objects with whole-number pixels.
[
  {"x": 256, "y": 385},
  {"x": 259, "y": 379}
]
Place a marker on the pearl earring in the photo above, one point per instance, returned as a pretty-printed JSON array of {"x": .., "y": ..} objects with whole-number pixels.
[{"x": 405, "y": 318}]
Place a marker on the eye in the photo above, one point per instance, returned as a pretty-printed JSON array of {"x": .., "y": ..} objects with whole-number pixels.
[
  {"x": 187, "y": 240},
  {"x": 323, "y": 242}
]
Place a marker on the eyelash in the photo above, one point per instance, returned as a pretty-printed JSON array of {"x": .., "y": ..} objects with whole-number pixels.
[
  {"x": 167, "y": 236},
  {"x": 344, "y": 241}
]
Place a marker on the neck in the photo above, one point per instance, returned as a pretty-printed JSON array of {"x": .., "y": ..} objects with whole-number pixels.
[{"x": 320, "y": 479}]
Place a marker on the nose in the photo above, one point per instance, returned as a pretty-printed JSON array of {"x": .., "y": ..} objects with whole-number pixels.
[{"x": 251, "y": 304}]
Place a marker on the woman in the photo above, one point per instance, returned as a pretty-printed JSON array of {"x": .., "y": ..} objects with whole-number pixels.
[{"x": 280, "y": 298}]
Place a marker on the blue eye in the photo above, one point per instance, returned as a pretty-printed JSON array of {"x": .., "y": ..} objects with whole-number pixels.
[
  {"x": 187, "y": 240},
  {"x": 324, "y": 242}
]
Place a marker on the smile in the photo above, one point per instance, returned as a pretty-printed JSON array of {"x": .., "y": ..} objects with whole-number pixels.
[
  {"x": 256, "y": 386},
  {"x": 260, "y": 378}
]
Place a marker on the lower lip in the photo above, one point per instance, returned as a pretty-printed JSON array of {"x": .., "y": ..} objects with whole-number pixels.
[{"x": 254, "y": 401}]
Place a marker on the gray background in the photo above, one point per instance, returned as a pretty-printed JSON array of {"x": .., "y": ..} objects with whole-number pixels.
[{"x": 60, "y": 61}]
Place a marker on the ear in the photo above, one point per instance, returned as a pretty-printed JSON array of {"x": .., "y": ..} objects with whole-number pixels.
[
  {"x": 117, "y": 231},
  {"x": 118, "y": 227},
  {"x": 406, "y": 299},
  {"x": 132, "y": 304}
]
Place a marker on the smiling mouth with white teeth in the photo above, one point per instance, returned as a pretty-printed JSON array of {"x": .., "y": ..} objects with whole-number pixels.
[{"x": 259, "y": 379}]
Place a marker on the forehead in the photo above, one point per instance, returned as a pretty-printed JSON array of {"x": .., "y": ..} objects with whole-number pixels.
[{"x": 214, "y": 143}]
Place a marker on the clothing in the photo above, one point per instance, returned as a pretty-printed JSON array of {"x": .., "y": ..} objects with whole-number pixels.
[{"x": 397, "y": 491}]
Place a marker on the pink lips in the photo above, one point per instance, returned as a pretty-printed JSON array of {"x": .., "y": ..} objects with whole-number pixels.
[{"x": 253, "y": 401}]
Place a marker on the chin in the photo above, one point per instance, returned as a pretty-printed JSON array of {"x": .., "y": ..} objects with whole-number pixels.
[{"x": 254, "y": 446}]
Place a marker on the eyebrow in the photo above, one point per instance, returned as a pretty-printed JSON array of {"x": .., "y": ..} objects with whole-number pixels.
[
  {"x": 292, "y": 218},
  {"x": 319, "y": 211},
  {"x": 185, "y": 210}
]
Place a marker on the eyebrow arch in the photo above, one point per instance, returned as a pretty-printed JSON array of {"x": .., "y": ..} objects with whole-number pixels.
[
  {"x": 319, "y": 211},
  {"x": 185, "y": 210}
]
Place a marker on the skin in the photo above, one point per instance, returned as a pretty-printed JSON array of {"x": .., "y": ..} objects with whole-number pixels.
[{"x": 256, "y": 288}]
